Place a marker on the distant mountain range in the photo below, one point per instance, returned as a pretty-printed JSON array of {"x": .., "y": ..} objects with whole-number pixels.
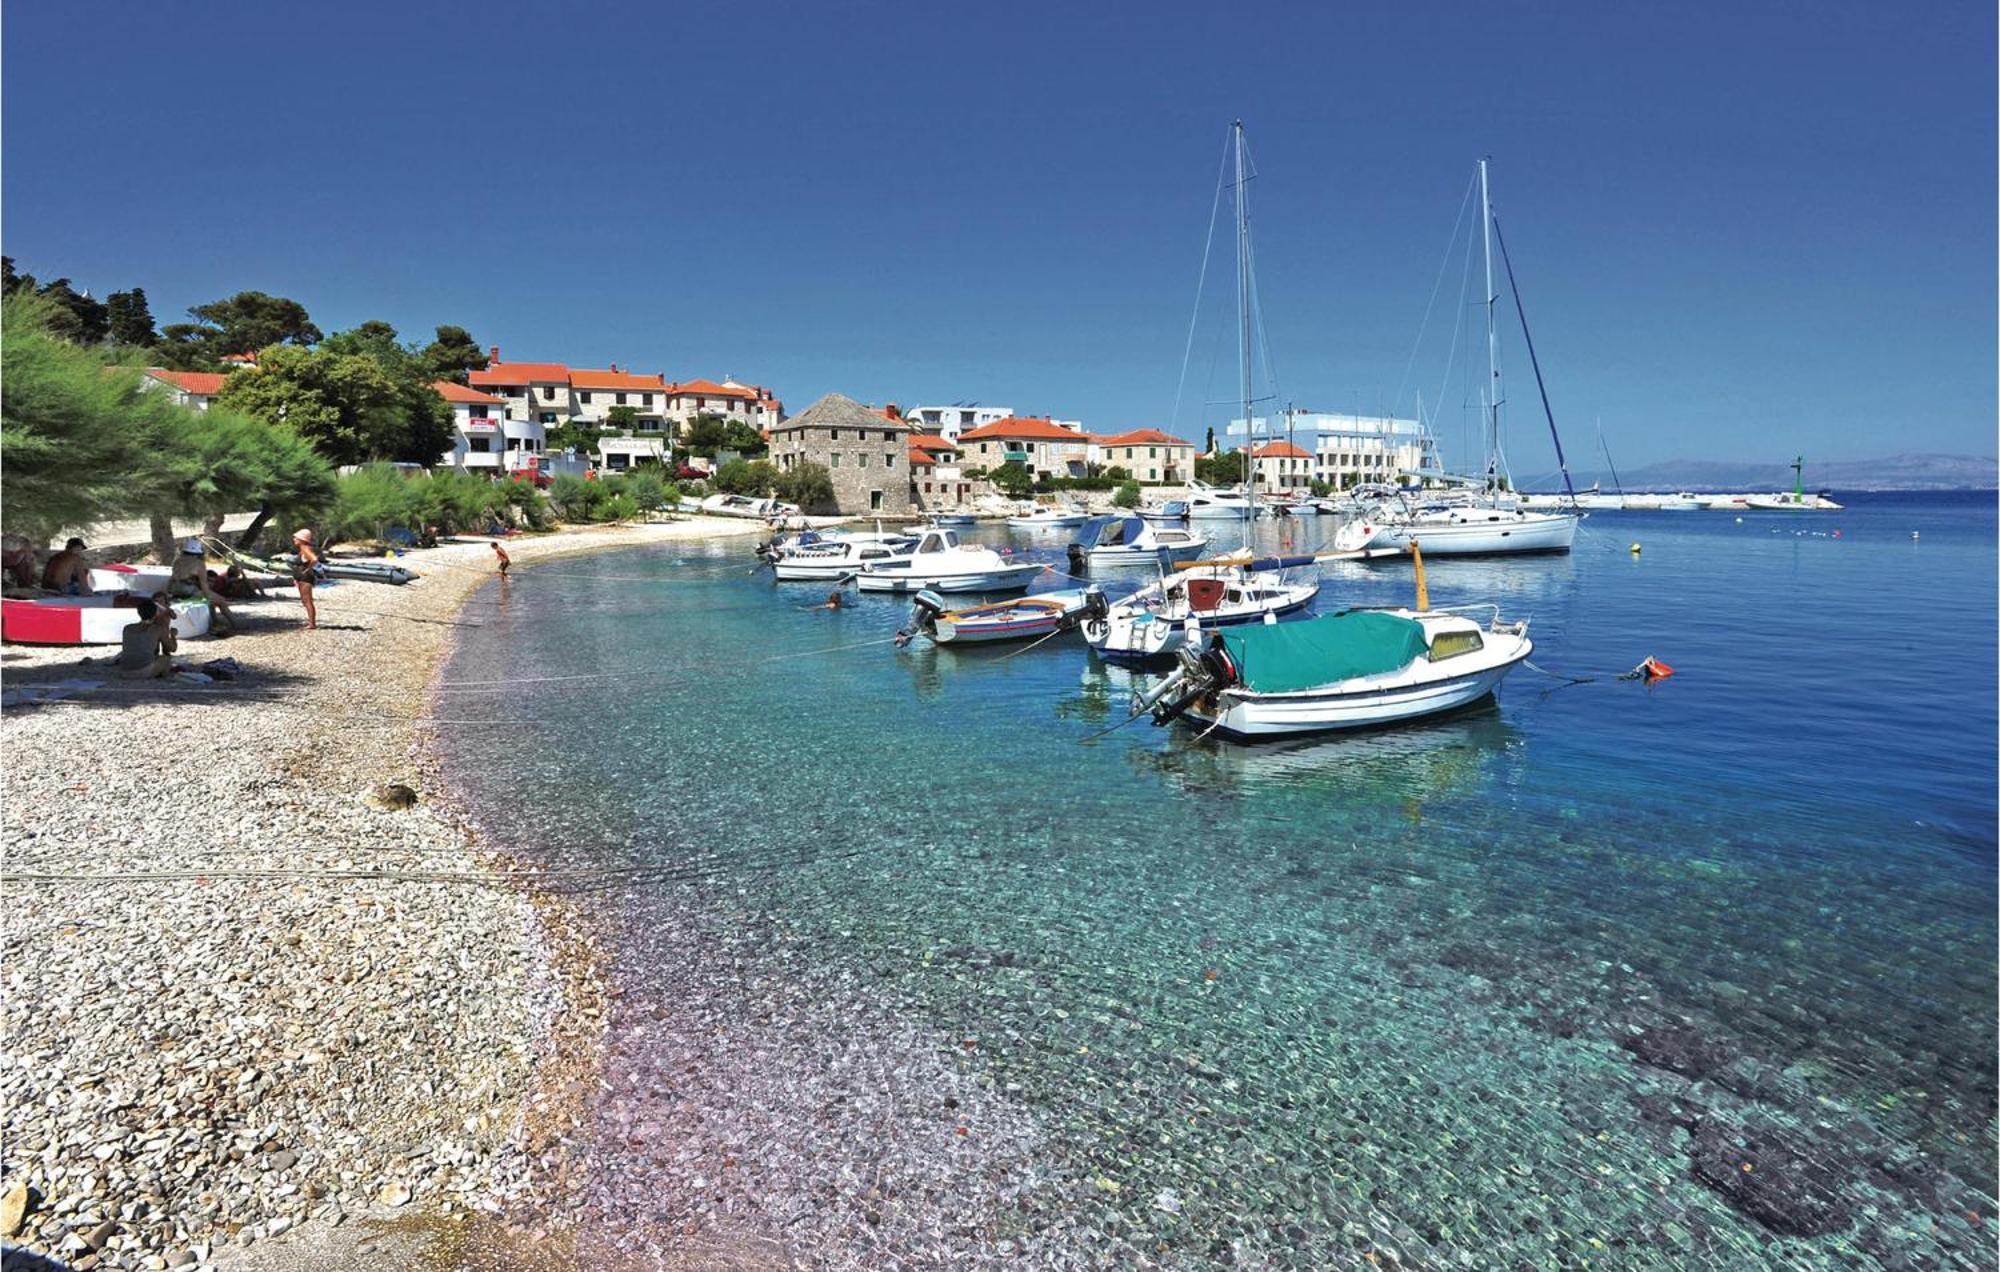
[{"x": 1895, "y": 472}]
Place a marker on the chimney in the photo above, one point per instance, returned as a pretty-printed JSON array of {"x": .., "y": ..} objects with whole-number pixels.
[
  {"x": 614, "y": 368},
  {"x": 493, "y": 354}
]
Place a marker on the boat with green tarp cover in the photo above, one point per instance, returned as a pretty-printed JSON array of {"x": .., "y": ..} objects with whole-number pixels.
[
  {"x": 1288, "y": 657},
  {"x": 1351, "y": 670}
]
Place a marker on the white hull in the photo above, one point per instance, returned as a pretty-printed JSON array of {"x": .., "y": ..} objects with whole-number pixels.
[
  {"x": 1006, "y": 578},
  {"x": 1221, "y": 512},
  {"x": 1067, "y": 521},
  {"x": 1173, "y": 553},
  {"x": 1251, "y": 715},
  {"x": 1470, "y": 532},
  {"x": 1137, "y": 634}
]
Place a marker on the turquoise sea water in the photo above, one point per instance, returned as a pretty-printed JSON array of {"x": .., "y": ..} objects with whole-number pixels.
[{"x": 919, "y": 964}]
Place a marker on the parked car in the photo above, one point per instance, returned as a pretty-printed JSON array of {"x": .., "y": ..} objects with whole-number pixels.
[{"x": 538, "y": 476}]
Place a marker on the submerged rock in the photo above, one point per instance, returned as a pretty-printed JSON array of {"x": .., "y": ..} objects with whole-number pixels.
[{"x": 1680, "y": 1048}]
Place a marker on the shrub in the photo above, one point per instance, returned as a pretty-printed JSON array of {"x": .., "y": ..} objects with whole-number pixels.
[
  {"x": 806, "y": 484},
  {"x": 1127, "y": 496}
]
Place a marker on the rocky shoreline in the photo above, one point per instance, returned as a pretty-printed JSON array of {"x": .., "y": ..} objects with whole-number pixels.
[{"x": 256, "y": 1013}]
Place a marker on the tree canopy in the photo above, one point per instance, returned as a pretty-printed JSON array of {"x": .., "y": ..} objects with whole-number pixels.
[
  {"x": 454, "y": 355},
  {"x": 131, "y": 319},
  {"x": 243, "y": 323},
  {"x": 86, "y": 441},
  {"x": 360, "y": 396}
]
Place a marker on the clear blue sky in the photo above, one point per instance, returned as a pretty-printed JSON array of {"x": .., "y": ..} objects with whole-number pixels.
[{"x": 1743, "y": 230}]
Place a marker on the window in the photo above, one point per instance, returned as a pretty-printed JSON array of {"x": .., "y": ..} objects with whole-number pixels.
[
  {"x": 1451, "y": 644},
  {"x": 888, "y": 436},
  {"x": 861, "y": 460},
  {"x": 480, "y": 444},
  {"x": 1152, "y": 474},
  {"x": 548, "y": 393},
  {"x": 583, "y": 396},
  {"x": 874, "y": 501},
  {"x": 888, "y": 461},
  {"x": 548, "y": 417},
  {"x": 1152, "y": 452},
  {"x": 1128, "y": 451},
  {"x": 833, "y": 460},
  {"x": 833, "y": 435},
  {"x": 618, "y": 399},
  {"x": 645, "y": 399}
]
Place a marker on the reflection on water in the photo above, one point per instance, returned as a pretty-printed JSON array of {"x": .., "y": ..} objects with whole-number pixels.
[{"x": 1526, "y": 986}]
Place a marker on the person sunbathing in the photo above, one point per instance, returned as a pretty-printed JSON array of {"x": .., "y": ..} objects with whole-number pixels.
[
  {"x": 190, "y": 580},
  {"x": 147, "y": 649}
]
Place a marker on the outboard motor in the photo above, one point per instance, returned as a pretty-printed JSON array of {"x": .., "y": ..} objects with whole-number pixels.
[
  {"x": 1201, "y": 674},
  {"x": 1079, "y": 559},
  {"x": 926, "y": 606},
  {"x": 1094, "y": 617}
]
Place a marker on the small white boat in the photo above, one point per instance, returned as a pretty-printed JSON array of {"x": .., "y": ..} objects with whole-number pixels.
[
  {"x": 823, "y": 558},
  {"x": 941, "y": 564},
  {"x": 1790, "y": 501},
  {"x": 1171, "y": 510},
  {"x": 1206, "y": 503},
  {"x": 1049, "y": 517},
  {"x": 951, "y": 519},
  {"x": 746, "y": 506},
  {"x": 1351, "y": 670},
  {"x": 1131, "y": 541},
  {"x": 1157, "y": 620},
  {"x": 1020, "y": 619},
  {"x": 1681, "y": 502}
]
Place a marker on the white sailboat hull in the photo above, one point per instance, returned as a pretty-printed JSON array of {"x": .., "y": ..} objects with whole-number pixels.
[{"x": 1470, "y": 532}]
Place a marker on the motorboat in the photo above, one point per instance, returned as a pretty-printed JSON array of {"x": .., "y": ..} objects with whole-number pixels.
[
  {"x": 942, "y": 564},
  {"x": 1206, "y": 503},
  {"x": 1131, "y": 541},
  {"x": 1157, "y": 620},
  {"x": 1049, "y": 517},
  {"x": 951, "y": 519},
  {"x": 1171, "y": 510},
  {"x": 1351, "y": 670},
  {"x": 1681, "y": 501},
  {"x": 747, "y": 506},
  {"x": 1477, "y": 529},
  {"x": 89, "y": 620},
  {"x": 815, "y": 557},
  {"x": 1023, "y": 618},
  {"x": 1790, "y": 501}
]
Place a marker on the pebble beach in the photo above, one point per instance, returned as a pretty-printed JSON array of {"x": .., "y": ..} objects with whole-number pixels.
[{"x": 261, "y": 1009}]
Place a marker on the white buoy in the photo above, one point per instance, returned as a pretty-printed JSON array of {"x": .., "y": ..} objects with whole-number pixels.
[{"x": 1913, "y": 534}]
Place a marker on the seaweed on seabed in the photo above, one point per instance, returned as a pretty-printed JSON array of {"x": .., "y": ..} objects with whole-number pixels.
[{"x": 1786, "y": 1181}]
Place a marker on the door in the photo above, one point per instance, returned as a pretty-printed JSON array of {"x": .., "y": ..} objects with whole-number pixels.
[{"x": 874, "y": 501}]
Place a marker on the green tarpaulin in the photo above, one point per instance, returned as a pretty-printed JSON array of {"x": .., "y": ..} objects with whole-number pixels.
[{"x": 1287, "y": 657}]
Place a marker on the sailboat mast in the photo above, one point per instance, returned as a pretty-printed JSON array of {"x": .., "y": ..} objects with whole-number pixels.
[
  {"x": 1243, "y": 315},
  {"x": 1492, "y": 340}
]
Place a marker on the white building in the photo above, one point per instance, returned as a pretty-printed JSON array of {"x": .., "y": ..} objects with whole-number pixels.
[
  {"x": 750, "y": 404},
  {"x": 1350, "y": 449},
  {"x": 1283, "y": 466},
  {"x": 489, "y": 441},
  {"x": 952, "y": 422},
  {"x": 189, "y": 388},
  {"x": 616, "y": 454},
  {"x": 533, "y": 392},
  {"x": 1046, "y": 448}
]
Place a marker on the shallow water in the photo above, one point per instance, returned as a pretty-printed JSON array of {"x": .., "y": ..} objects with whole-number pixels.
[{"x": 922, "y": 964}]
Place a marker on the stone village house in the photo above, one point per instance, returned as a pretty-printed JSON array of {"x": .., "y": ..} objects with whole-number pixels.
[{"x": 866, "y": 455}]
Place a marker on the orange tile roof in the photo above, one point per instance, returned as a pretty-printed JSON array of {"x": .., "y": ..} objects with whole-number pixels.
[
  {"x": 1029, "y": 427},
  {"x": 200, "y": 383},
  {"x": 500, "y": 373},
  {"x": 709, "y": 388},
  {"x": 1144, "y": 437},
  {"x": 933, "y": 442},
  {"x": 587, "y": 379},
  {"x": 246, "y": 359},
  {"x": 922, "y": 458},
  {"x": 1282, "y": 450},
  {"x": 451, "y": 392}
]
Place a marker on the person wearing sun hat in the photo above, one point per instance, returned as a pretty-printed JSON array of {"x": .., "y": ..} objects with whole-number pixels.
[
  {"x": 190, "y": 580},
  {"x": 302, "y": 573}
]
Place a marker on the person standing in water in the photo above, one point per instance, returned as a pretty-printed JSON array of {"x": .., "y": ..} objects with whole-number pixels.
[
  {"x": 302, "y": 573},
  {"x": 500, "y": 554}
]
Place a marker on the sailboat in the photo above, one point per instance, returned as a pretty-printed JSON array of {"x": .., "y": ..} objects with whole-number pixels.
[{"x": 1492, "y": 522}]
